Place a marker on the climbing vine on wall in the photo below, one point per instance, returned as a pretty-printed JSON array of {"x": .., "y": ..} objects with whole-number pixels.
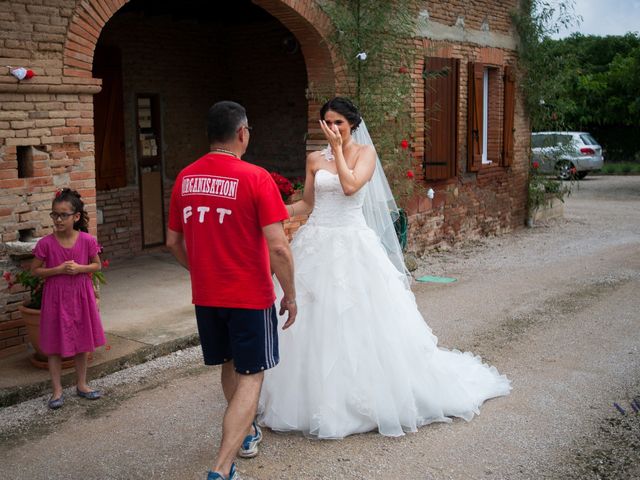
[{"x": 376, "y": 40}]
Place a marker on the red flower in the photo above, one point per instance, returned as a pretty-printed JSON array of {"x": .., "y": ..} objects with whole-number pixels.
[
  {"x": 403, "y": 70},
  {"x": 535, "y": 165},
  {"x": 284, "y": 185},
  {"x": 573, "y": 170},
  {"x": 410, "y": 174},
  {"x": 105, "y": 263},
  {"x": 29, "y": 74},
  {"x": 7, "y": 277},
  {"x": 404, "y": 144}
]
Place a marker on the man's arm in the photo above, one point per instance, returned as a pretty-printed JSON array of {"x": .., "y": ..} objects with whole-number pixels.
[
  {"x": 282, "y": 265},
  {"x": 175, "y": 243}
]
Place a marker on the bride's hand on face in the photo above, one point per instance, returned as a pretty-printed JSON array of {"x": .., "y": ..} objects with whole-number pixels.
[{"x": 332, "y": 134}]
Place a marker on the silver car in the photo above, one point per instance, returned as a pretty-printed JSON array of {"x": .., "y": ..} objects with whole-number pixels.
[{"x": 561, "y": 152}]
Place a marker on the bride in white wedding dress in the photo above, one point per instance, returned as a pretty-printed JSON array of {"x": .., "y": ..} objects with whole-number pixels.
[{"x": 360, "y": 357}]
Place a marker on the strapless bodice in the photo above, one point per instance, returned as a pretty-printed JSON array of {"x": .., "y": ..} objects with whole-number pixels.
[{"x": 332, "y": 207}]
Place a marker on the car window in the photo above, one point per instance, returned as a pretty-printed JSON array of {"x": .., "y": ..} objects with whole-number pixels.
[
  {"x": 537, "y": 141},
  {"x": 563, "y": 140},
  {"x": 588, "y": 139},
  {"x": 542, "y": 140}
]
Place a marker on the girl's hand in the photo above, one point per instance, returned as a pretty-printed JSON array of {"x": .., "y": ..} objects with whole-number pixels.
[
  {"x": 71, "y": 267},
  {"x": 332, "y": 134}
]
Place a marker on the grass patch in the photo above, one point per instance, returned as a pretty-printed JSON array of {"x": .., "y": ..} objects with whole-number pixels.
[{"x": 621, "y": 168}]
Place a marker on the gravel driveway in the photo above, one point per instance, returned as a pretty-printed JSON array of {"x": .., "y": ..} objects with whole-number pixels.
[{"x": 555, "y": 308}]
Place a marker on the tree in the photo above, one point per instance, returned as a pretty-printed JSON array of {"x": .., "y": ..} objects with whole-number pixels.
[{"x": 546, "y": 73}]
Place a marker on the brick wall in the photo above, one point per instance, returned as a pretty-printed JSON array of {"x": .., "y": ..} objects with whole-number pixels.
[
  {"x": 496, "y": 14},
  {"x": 470, "y": 205},
  {"x": 121, "y": 227}
]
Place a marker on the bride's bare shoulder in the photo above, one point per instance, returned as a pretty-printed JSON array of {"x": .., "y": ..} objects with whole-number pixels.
[
  {"x": 314, "y": 159},
  {"x": 314, "y": 156},
  {"x": 366, "y": 151}
]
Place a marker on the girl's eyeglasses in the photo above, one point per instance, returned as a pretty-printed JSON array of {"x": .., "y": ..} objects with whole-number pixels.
[{"x": 60, "y": 216}]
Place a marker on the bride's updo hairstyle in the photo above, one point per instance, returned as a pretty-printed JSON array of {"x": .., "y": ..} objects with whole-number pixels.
[{"x": 344, "y": 107}]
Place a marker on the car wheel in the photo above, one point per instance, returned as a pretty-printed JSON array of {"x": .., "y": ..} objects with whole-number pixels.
[
  {"x": 581, "y": 175},
  {"x": 563, "y": 169}
]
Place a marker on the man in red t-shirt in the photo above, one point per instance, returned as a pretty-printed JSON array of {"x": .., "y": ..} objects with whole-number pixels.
[{"x": 225, "y": 227}]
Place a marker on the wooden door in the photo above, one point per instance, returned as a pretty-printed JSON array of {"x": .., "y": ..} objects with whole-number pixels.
[
  {"x": 149, "y": 134},
  {"x": 108, "y": 108}
]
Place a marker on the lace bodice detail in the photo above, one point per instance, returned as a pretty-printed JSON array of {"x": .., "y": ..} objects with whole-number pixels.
[{"x": 332, "y": 207}]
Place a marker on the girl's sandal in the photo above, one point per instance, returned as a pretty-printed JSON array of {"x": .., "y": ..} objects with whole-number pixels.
[
  {"x": 55, "y": 403},
  {"x": 92, "y": 395}
]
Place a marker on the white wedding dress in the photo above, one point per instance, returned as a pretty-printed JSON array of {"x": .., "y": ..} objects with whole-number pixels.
[{"x": 360, "y": 357}]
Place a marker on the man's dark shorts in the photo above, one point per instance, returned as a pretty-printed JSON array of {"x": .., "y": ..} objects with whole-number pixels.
[{"x": 248, "y": 337}]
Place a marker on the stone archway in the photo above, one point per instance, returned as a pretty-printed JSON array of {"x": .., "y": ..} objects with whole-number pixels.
[{"x": 304, "y": 19}]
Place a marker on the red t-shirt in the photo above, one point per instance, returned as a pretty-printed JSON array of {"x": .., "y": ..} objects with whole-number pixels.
[{"x": 220, "y": 204}]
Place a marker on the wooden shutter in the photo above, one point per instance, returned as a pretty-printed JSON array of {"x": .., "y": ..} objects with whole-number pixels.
[
  {"x": 474, "y": 122},
  {"x": 441, "y": 110},
  {"x": 508, "y": 115},
  {"x": 108, "y": 114}
]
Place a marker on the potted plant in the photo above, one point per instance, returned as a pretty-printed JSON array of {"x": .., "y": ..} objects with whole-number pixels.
[
  {"x": 284, "y": 185},
  {"x": 298, "y": 189},
  {"x": 30, "y": 309}
]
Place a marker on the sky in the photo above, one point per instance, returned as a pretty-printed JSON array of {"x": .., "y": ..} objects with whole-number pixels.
[{"x": 605, "y": 17}]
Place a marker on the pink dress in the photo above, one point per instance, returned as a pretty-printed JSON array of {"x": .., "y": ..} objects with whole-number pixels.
[{"x": 69, "y": 319}]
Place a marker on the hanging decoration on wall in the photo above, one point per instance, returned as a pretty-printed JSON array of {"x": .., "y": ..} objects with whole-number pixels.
[
  {"x": 290, "y": 45},
  {"x": 21, "y": 73}
]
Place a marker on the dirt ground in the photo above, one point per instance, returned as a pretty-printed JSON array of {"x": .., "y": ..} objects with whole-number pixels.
[{"x": 555, "y": 308}]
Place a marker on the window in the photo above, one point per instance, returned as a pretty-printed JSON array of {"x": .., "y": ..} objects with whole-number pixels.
[
  {"x": 485, "y": 116},
  {"x": 490, "y": 116},
  {"x": 537, "y": 141},
  {"x": 544, "y": 140},
  {"x": 563, "y": 140},
  {"x": 588, "y": 139},
  {"x": 25, "y": 161},
  {"x": 441, "y": 114}
]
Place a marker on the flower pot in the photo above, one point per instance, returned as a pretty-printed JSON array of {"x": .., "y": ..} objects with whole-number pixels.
[
  {"x": 294, "y": 197},
  {"x": 39, "y": 359}
]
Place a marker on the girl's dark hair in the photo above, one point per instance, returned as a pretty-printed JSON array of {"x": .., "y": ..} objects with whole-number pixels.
[
  {"x": 73, "y": 197},
  {"x": 344, "y": 107}
]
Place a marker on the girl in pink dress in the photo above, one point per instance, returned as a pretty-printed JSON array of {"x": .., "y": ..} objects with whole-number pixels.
[{"x": 69, "y": 320}]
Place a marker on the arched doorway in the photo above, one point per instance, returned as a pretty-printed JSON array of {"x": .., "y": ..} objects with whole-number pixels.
[{"x": 162, "y": 65}]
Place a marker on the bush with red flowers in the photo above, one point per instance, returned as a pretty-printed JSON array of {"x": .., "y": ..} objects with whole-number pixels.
[{"x": 284, "y": 185}]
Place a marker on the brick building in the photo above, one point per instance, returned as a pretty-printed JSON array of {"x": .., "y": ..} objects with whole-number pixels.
[{"x": 117, "y": 105}]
